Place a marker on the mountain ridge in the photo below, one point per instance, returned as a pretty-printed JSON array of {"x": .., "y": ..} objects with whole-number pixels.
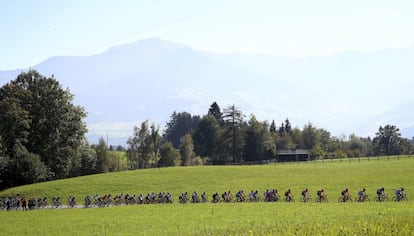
[{"x": 151, "y": 78}]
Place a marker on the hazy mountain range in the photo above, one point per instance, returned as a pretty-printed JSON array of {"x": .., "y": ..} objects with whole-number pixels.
[{"x": 350, "y": 92}]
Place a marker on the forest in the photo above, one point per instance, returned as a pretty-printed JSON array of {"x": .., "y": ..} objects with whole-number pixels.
[{"x": 42, "y": 137}]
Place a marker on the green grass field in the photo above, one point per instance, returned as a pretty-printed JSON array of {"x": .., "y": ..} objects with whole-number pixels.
[{"x": 391, "y": 218}]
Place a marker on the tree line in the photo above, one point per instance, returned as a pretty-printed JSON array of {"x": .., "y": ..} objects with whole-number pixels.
[
  {"x": 42, "y": 137},
  {"x": 226, "y": 136}
]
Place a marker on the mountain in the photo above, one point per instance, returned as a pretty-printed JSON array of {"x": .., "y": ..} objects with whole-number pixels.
[{"x": 351, "y": 92}]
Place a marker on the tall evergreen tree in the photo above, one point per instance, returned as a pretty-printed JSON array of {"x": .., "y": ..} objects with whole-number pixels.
[
  {"x": 272, "y": 127},
  {"x": 180, "y": 124},
  {"x": 233, "y": 118},
  {"x": 216, "y": 112}
]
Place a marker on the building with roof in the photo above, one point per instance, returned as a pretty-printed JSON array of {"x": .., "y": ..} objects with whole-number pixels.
[{"x": 293, "y": 155}]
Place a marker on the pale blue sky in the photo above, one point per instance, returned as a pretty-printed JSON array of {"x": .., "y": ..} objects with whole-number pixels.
[{"x": 32, "y": 31}]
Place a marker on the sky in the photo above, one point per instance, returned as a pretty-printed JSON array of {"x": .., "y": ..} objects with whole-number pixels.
[{"x": 32, "y": 31}]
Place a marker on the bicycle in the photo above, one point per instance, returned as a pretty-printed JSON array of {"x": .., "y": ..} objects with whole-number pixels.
[
  {"x": 289, "y": 199},
  {"x": 306, "y": 198},
  {"x": 345, "y": 199},
  {"x": 363, "y": 198},
  {"x": 321, "y": 199},
  {"x": 382, "y": 198},
  {"x": 400, "y": 198}
]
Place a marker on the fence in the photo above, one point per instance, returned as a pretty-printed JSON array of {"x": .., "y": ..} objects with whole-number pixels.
[{"x": 356, "y": 159}]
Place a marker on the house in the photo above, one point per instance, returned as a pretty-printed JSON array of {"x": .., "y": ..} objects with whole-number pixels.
[{"x": 293, "y": 155}]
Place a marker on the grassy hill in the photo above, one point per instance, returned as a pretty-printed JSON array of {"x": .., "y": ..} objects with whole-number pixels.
[
  {"x": 372, "y": 218},
  {"x": 332, "y": 176}
]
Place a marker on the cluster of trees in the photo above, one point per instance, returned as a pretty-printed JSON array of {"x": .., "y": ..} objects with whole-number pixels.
[
  {"x": 226, "y": 137},
  {"x": 42, "y": 134},
  {"x": 42, "y": 137}
]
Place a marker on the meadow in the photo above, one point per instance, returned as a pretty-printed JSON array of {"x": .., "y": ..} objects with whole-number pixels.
[{"x": 333, "y": 218}]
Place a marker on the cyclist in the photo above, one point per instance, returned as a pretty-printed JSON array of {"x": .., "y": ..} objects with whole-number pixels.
[
  {"x": 275, "y": 195},
  {"x": 399, "y": 194},
  {"x": 362, "y": 195},
  {"x": 305, "y": 194},
  {"x": 345, "y": 194},
  {"x": 381, "y": 193},
  {"x": 194, "y": 197},
  {"x": 216, "y": 197},
  {"x": 240, "y": 196},
  {"x": 288, "y": 195},
  {"x": 321, "y": 194},
  {"x": 204, "y": 197}
]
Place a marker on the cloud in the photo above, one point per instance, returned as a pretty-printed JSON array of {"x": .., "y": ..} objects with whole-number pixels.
[{"x": 122, "y": 129}]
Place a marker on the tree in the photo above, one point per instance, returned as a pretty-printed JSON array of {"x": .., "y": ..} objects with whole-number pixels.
[
  {"x": 154, "y": 143},
  {"x": 180, "y": 124},
  {"x": 169, "y": 156},
  {"x": 38, "y": 116},
  {"x": 186, "y": 150},
  {"x": 297, "y": 138},
  {"x": 233, "y": 119},
  {"x": 216, "y": 112},
  {"x": 288, "y": 126},
  {"x": 27, "y": 168},
  {"x": 116, "y": 161},
  {"x": 87, "y": 161},
  {"x": 310, "y": 136},
  {"x": 272, "y": 127},
  {"x": 139, "y": 147},
  {"x": 388, "y": 140},
  {"x": 101, "y": 156},
  {"x": 14, "y": 119},
  {"x": 259, "y": 144},
  {"x": 205, "y": 137}
]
